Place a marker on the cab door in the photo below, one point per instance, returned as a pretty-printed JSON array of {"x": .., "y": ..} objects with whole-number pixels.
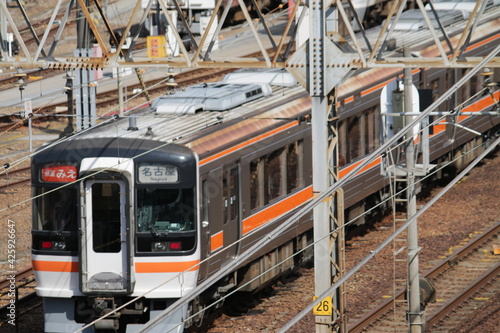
[
  {"x": 231, "y": 210},
  {"x": 104, "y": 256}
]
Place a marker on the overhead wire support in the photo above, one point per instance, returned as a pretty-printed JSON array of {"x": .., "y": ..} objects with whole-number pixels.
[{"x": 376, "y": 53}]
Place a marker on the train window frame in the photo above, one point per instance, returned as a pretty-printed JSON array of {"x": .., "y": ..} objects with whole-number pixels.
[
  {"x": 275, "y": 186},
  {"x": 54, "y": 241},
  {"x": 154, "y": 241},
  {"x": 354, "y": 148},
  {"x": 104, "y": 228},
  {"x": 259, "y": 171},
  {"x": 171, "y": 205}
]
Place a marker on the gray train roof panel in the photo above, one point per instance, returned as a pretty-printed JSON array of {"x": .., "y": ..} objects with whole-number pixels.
[
  {"x": 465, "y": 6},
  {"x": 413, "y": 19},
  {"x": 150, "y": 124},
  {"x": 273, "y": 77},
  {"x": 218, "y": 96}
]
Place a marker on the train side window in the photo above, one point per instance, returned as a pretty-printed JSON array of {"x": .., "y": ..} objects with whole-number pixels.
[
  {"x": 476, "y": 84},
  {"x": 465, "y": 89},
  {"x": 342, "y": 149},
  {"x": 275, "y": 172},
  {"x": 230, "y": 194},
  {"x": 354, "y": 139},
  {"x": 293, "y": 164},
  {"x": 205, "y": 200},
  {"x": 372, "y": 129},
  {"x": 233, "y": 191},
  {"x": 434, "y": 85},
  {"x": 225, "y": 198},
  {"x": 357, "y": 98},
  {"x": 256, "y": 183}
]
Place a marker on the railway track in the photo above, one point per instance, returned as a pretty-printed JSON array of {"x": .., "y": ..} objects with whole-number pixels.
[
  {"x": 17, "y": 298},
  {"x": 456, "y": 278},
  {"x": 13, "y": 178}
]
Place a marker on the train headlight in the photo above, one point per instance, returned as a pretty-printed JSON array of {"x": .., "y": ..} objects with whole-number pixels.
[{"x": 159, "y": 246}]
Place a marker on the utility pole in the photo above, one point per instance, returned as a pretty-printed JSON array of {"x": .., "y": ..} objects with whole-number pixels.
[
  {"x": 84, "y": 89},
  {"x": 414, "y": 311},
  {"x": 328, "y": 215},
  {"x": 4, "y": 47}
]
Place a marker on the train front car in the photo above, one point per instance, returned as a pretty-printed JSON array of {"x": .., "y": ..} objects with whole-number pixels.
[{"x": 112, "y": 219}]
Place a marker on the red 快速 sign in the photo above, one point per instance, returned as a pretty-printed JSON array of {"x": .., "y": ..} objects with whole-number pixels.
[{"x": 59, "y": 173}]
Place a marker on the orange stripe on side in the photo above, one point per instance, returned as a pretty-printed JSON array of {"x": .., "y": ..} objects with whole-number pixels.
[
  {"x": 276, "y": 210},
  {"x": 166, "y": 267},
  {"x": 474, "y": 107},
  {"x": 247, "y": 143},
  {"x": 487, "y": 40},
  {"x": 217, "y": 241},
  {"x": 55, "y": 266},
  {"x": 345, "y": 171}
]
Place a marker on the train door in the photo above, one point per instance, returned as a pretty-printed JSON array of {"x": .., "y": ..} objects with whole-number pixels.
[
  {"x": 231, "y": 210},
  {"x": 104, "y": 256}
]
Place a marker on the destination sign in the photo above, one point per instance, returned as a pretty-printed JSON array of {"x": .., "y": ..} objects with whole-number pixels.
[
  {"x": 158, "y": 174},
  {"x": 59, "y": 173}
]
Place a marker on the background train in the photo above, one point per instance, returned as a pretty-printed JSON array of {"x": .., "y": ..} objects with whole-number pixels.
[{"x": 151, "y": 204}]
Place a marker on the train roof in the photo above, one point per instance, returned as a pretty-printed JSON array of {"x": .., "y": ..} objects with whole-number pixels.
[{"x": 206, "y": 117}]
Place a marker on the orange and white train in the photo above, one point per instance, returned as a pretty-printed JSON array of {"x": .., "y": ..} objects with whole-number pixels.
[{"x": 151, "y": 204}]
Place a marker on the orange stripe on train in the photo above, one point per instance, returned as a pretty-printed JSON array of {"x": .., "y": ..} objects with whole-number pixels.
[
  {"x": 55, "y": 266},
  {"x": 216, "y": 241},
  {"x": 166, "y": 267},
  {"x": 247, "y": 143},
  {"x": 276, "y": 210}
]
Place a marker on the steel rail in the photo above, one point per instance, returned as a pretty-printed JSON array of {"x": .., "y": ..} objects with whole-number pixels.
[
  {"x": 474, "y": 287},
  {"x": 19, "y": 276},
  {"x": 444, "y": 265}
]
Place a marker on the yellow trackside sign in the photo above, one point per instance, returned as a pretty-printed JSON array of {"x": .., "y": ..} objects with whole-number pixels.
[
  {"x": 324, "y": 308},
  {"x": 156, "y": 46}
]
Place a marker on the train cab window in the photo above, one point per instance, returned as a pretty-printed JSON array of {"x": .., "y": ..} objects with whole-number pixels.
[
  {"x": 56, "y": 210},
  {"x": 55, "y": 223},
  {"x": 165, "y": 221},
  {"x": 165, "y": 210}
]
